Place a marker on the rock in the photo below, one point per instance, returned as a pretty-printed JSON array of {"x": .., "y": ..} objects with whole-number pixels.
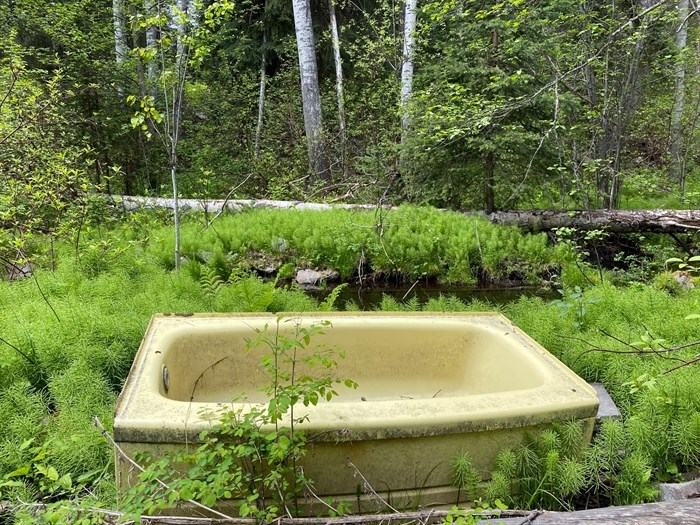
[
  {"x": 205, "y": 256},
  {"x": 684, "y": 280},
  {"x": 315, "y": 277},
  {"x": 16, "y": 272},
  {"x": 279, "y": 245},
  {"x": 679, "y": 491}
]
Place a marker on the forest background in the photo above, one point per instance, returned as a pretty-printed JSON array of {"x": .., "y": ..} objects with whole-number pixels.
[{"x": 481, "y": 105}]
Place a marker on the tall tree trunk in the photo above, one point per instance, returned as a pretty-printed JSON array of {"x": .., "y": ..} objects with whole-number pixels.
[
  {"x": 120, "y": 48},
  {"x": 140, "y": 72},
  {"x": 310, "y": 91},
  {"x": 151, "y": 176},
  {"x": 261, "y": 103},
  {"x": 261, "y": 94},
  {"x": 151, "y": 46},
  {"x": 177, "y": 101},
  {"x": 677, "y": 171},
  {"x": 489, "y": 183},
  {"x": 616, "y": 107},
  {"x": 490, "y": 159},
  {"x": 338, "y": 78},
  {"x": 409, "y": 45}
]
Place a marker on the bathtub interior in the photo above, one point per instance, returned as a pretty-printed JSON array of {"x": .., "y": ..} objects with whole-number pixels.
[{"x": 389, "y": 359}]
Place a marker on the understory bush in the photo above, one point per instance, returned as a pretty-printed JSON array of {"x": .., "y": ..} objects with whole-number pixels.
[
  {"x": 554, "y": 470},
  {"x": 252, "y": 455}
]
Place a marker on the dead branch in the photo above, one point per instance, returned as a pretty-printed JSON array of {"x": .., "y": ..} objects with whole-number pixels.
[
  {"x": 368, "y": 488},
  {"x": 531, "y": 517},
  {"x": 661, "y": 353},
  {"x": 613, "y": 221}
]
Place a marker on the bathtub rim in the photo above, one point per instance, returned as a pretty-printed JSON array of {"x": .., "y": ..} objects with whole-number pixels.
[{"x": 144, "y": 415}]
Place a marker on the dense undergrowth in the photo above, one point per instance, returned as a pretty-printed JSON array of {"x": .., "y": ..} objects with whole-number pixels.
[
  {"x": 69, "y": 336},
  {"x": 406, "y": 243}
]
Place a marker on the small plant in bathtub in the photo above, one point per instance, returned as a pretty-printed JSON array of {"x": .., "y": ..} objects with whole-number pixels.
[{"x": 252, "y": 456}]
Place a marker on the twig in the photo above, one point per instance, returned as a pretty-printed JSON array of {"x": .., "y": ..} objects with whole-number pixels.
[
  {"x": 685, "y": 363},
  {"x": 636, "y": 351},
  {"x": 530, "y": 517},
  {"x": 369, "y": 488},
  {"x": 312, "y": 493},
  {"x": 226, "y": 199},
  {"x": 138, "y": 467},
  {"x": 410, "y": 290},
  {"x": 20, "y": 352},
  {"x": 194, "y": 388},
  {"x": 46, "y": 300}
]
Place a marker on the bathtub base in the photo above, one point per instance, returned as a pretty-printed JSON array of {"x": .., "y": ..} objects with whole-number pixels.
[{"x": 405, "y": 473}]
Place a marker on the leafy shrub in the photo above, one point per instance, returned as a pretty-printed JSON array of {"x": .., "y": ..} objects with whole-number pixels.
[{"x": 251, "y": 455}]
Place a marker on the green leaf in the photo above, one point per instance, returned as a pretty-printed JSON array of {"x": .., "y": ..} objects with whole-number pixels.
[
  {"x": 26, "y": 444},
  {"x": 209, "y": 500},
  {"x": 52, "y": 473},
  {"x": 21, "y": 471},
  {"x": 186, "y": 493}
]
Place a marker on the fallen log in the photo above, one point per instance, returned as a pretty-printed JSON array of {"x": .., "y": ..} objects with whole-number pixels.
[
  {"x": 685, "y": 512},
  {"x": 613, "y": 221},
  {"x": 131, "y": 203}
]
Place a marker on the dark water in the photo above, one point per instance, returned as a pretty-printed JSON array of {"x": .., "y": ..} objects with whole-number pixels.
[{"x": 370, "y": 297}]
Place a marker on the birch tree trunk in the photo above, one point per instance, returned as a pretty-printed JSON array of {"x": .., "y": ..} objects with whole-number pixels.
[
  {"x": 409, "y": 44},
  {"x": 614, "y": 221},
  {"x": 151, "y": 37},
  {"x": 677, "y": 171},
  {"x": 335, "y": 36},
  {"x": 261, "y": 101},
  {"x": 120, "y": 48},
  {"x": 310, "y": 91}
]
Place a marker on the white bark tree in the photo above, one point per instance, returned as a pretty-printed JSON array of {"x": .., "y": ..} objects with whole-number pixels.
[
  {"x": 677, "y": 169},
  {"x": 409, "y": 44},
  {"x": 310, "y": 91},
  {"x": 261, "y": 100},
  {"x": 120, "y": 47},
  {"x": 151, "y": 46},
  {"x": 174, "y": 117},
  {"x": 335, "y": 37}
]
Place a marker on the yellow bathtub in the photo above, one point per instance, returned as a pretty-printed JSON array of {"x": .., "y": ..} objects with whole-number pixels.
[{"x": 431, "y": 386}]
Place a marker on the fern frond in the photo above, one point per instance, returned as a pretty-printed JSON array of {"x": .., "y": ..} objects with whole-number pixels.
[{"x": 210, "y": 282}]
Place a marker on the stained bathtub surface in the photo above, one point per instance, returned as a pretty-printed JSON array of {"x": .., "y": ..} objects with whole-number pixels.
[{"x": 430, "y": 386}]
